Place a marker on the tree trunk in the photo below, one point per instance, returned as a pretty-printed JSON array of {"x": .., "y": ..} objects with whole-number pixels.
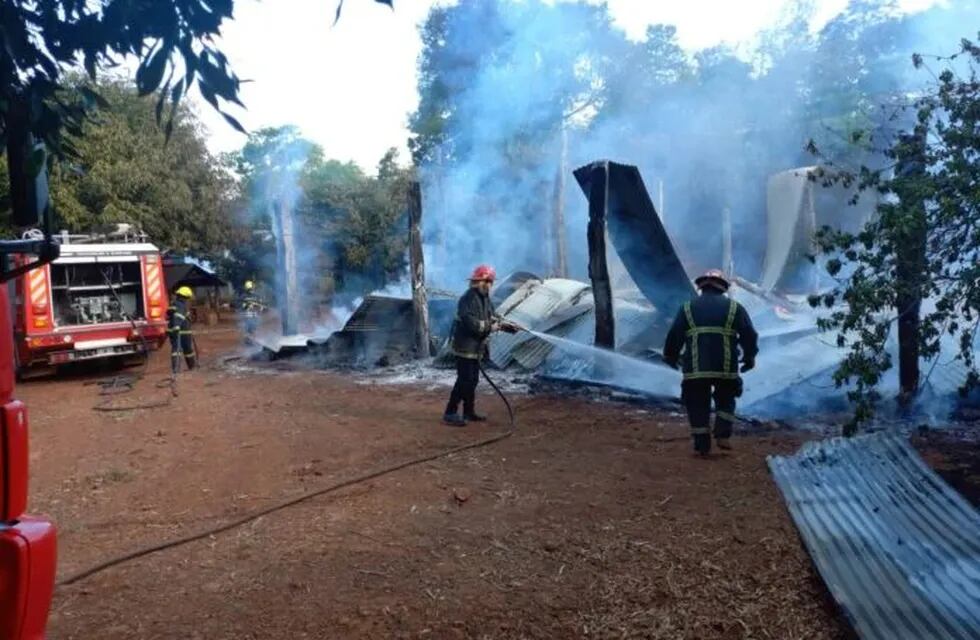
[
  {"x": 420, "y": 304},
  {"x": 605, "y": 326},
  {"x": 288, "y": 268},
  {"x": 910, "y": 263}
]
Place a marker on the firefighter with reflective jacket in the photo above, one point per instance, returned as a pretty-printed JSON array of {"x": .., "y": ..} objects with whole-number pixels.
[
  {"x": 179, "y": 330},
  {"x": 711, "y": 330},
  {"x": 475, "y": 321},
  {"x": 252, "y": 305}
]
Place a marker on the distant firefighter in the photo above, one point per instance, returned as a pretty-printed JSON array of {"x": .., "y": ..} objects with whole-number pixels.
[
  {"x": 475, "y": 321},
  {"x": 179, "y": 329},
  {"x": 251, "y": 305},
  {"x": 708, "y": 334}
]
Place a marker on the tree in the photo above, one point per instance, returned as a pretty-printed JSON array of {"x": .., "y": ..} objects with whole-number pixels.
[
  {"x": 352, "y": 226},
  {"x": 173, "y": 39},
  {"x": 924, "y": 244},
  {"x": 125, "y": 171}
]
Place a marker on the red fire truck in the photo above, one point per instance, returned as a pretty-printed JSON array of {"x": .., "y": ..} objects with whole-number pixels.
[
  {"x": 104, "y": 297},
  {"x": 28, "y": 544}
]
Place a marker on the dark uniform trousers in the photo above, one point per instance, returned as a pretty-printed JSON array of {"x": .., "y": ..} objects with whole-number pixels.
[
  {"x": 467, "y": 377},
  {"x": 181, "y": 337},
  {"x": 698, "y": 396}
]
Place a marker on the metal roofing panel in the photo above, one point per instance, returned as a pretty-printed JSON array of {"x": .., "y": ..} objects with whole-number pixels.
[
  {"x": 544, "y": 300},
  {"x": 897, "y": 547}
]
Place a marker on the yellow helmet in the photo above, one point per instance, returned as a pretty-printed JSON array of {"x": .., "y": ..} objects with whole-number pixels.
[
  {"x": 249, "y": 285},
  {"x": 185, "y": 292}
]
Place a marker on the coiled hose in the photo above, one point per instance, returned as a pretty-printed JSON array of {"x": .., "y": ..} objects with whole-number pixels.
[{"x": 370, "y": 475}]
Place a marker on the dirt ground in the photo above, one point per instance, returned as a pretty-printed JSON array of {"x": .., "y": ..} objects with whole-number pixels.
[{"x": 593, "y": 521}]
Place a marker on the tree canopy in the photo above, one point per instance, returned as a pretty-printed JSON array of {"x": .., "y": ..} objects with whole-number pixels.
[
  {"x": 923, "y": 244},
  {"x": 351, "y": 224},
  {"x": 123, "y": 170}
]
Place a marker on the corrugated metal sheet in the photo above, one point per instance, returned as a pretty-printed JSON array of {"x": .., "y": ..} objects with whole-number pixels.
[
  {"x": 897, "y": 547},
  {"x": 535, "y": 303}
]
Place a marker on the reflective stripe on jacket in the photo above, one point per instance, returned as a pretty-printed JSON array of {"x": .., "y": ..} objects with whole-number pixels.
[{"x": 711, "y": 330}]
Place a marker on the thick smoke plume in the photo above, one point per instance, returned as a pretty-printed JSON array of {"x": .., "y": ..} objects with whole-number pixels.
[{"x": 502, "y": 79}]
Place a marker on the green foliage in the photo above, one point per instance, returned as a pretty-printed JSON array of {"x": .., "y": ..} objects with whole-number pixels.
[
  {"x": 353, "y": 222},
  {"x": 931, "y": 195},
  {"x": 123, "y": 170},
  {"x": 172, "y": 39}
]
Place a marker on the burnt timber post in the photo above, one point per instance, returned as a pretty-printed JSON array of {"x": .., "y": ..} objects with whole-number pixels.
[
  {"x": 605, "y": 326},
  {"x": 561, "y": 251},
  {"x": 420, "y": 303}
]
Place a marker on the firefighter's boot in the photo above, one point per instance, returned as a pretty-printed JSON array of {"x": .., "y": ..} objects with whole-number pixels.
[
  {"x": 473, "y": 416},
  {"x": 702, "y": 443},
  {"x": 454, "y": 420}
]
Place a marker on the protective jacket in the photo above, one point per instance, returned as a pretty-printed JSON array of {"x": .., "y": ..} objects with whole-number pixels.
[
  {"x": 251, "y": 303},
  {"x": 711, "y": 329},
  {"x": 474, "y": 319},
  {"x": 181, "y": 336}
]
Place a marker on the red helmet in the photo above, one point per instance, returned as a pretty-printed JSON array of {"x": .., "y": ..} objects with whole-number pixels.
[
  {"x": 713, "y": 278},
  {"x": 483, "y": 272}
]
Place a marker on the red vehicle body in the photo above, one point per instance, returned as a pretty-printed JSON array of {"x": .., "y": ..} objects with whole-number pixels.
[
  {"x": 97, "y": 300},
  {"x": 28, "y": 545}
]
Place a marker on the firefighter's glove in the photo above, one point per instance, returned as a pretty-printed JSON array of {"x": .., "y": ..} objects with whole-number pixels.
[
  {"x": 670, "y": 363},
  {"x": 748, "y": 365},
  {"x": 507, "y": 327}
]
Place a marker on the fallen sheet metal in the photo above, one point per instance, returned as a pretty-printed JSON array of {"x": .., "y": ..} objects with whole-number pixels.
[{"x": 897, "y": 547}]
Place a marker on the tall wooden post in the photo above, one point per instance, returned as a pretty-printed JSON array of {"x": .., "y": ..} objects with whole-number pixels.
[
  {"x": 727, "y": 262},
  {"x": 561, "y": 250},
  {"x": 605, "y": 326},
  {"x": 420, "y": 303}
]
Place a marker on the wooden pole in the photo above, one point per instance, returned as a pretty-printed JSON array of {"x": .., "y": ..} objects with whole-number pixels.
[
  {"x": 561, "y": 250},
  {"x": 726, "y": 242},
  {"x": 605, "y": 326},
  {"x": 420, "y": 303}
]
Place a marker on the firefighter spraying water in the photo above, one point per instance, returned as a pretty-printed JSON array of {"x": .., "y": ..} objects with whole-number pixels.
[{"x": 475, "y": 321}]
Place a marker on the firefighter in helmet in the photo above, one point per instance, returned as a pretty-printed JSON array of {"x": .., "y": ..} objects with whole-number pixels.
[
  {"x": 711, "y": 330},
  {"x": 252, "y": 305},
  {"x": 475, "y": 321},
  {"x": 179, "y": 329}
]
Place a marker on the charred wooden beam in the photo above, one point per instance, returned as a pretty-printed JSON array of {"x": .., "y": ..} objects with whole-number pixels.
[
  {"x": 420, "y": 304},
  {"x": 596, "y": 175}
]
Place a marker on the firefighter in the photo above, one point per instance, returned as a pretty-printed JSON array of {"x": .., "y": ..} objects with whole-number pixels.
[
  {"x": 475, "y": 321},
  {"x": 252, "y": 305},
  {"x": 179, "y": 329},
  {"x": 711, "y": 330}
]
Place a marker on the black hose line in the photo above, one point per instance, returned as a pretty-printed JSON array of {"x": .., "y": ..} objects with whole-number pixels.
[{"x": 139, "y": 553}]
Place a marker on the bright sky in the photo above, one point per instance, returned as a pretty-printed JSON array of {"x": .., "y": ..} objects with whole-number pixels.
[{"x": 350, "y": 87}]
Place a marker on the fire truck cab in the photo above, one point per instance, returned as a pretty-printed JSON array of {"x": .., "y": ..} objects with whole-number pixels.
[{"x": 104, "y": 297}]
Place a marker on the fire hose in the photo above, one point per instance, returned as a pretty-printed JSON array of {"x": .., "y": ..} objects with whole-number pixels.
[
  {"x": 117, "y": 385},
  {"x": 279, "y": 506}
]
